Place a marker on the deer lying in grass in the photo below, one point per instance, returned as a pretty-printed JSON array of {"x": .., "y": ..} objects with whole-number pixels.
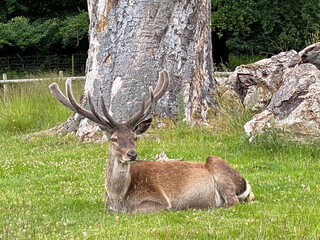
[{"x": 147, "y": 186}]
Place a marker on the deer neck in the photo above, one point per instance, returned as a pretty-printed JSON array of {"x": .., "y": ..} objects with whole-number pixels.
[{"x": 117, "y": 178}]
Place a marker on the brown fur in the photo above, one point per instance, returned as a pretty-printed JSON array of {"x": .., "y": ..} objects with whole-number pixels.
[{"x": 174, "y": 185}]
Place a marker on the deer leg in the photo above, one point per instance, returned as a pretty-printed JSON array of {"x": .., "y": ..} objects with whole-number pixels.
[
  {"x": 115, "y": 205},
  {"x": 159, "y": 201},
  {"x": 227, "y": 191},
  {"x": 148, "y": 206},
  {"x": 165, "y": 198}
]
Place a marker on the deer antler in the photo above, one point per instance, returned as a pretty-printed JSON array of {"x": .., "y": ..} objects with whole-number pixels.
[
  {"x": 105, "y": 121},
  {"x": 148, "y": 106}
]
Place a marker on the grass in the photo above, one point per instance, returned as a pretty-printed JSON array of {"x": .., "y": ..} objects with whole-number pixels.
[
  {"x": 30, "y": 107},
  {"x": 52, "y": 187}
]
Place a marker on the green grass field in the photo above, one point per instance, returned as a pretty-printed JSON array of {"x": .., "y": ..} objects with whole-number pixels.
[{"x": 52, "y": 187}]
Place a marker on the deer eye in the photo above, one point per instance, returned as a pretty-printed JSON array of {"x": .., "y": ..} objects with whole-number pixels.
[{"x": 135, "y": 138}]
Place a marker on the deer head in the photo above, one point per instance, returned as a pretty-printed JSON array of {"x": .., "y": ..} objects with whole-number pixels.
[{"x": 122, "y": 135}]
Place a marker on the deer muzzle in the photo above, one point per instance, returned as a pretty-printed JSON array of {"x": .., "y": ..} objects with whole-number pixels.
[
  {"x": 132, "y": 155},
  {"x": 129, "y": 157}
]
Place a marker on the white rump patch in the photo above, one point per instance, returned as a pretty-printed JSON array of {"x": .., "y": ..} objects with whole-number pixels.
[{"x": 245, "y": 194}]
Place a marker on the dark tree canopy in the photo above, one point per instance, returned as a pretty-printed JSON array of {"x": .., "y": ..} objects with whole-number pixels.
[
  {"x": 238, "y": 27},
  {"x": 42, "y": 9},
  {"x": 43, "y": 27},
  {"x": 254, "y": 26}
]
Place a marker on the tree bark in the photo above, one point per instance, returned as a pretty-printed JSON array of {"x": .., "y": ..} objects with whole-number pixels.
[{"x": 131, "y": 41}]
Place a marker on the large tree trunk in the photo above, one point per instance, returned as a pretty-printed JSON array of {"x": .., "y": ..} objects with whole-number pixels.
[{"x": 131, "y": 41}]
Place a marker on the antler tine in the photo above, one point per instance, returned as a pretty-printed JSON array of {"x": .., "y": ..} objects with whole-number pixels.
[
  {"x": 56, "y": 92},
  {"x": 160, "y": 89},
  {"x": 69, "y": 101},
  {"x": 96, "y": 115},
  {"x": 112, "y": 123},
  {"x": 138, "y": 115},
  {"x": 144, "y": 113},
  {"x": 84, "y": 112},
  {"x": 160, "y": 82},
  {"x": 149, "y": 109}
]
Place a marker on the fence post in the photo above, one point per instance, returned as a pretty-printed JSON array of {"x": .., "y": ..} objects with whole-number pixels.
[
  {"x": 61, "y": 75},
  {"x": 72, "y": 65},
  {"x": 5, "y": 88}
]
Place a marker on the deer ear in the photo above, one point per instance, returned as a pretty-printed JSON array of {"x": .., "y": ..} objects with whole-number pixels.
[{"x": 143, "y": 126}]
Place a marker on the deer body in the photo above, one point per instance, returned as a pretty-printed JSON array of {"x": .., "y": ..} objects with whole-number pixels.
[
  {"x": 147, "y": 186},
  {"x": 175, "y": 185}
]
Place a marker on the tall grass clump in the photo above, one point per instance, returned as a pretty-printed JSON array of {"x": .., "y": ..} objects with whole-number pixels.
[
  {"x": 231, "y": 115},
  {"x": 30, "y": 107}
]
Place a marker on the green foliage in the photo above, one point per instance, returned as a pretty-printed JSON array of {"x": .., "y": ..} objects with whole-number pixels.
[
  {"x": 22, "y": 36},
  {"x": 40, "y": 9},
  {"x": 252, "y": 27},
  {"x": 4, "y": 32},
  {"x": 74, "y": 29},
  {"x": 232, "y": 16},
  {"x": 237, "y": 60},
  {"x": 13, "y": 7}
]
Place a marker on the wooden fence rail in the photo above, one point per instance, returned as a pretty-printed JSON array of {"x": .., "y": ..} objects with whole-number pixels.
[{"x": 5, "y": 80}]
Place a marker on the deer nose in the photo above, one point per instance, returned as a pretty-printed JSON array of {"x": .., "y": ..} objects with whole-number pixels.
[{"x": 132, "y": 155}]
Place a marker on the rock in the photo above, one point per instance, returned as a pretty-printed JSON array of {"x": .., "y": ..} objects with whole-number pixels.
[
  {"x": 162, "y": 157},
  {"x": 258, "y": 124},
  {"x": 295, "y": 107},
  {"x": 285, "y": 89},
  {"x": 229, "y": 100},
  {"x": 311, "y": 54},
  {"x": 255, "y": 83}
]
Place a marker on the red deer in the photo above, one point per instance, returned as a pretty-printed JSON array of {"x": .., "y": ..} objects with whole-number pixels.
[{"x": 148, "y": 186}]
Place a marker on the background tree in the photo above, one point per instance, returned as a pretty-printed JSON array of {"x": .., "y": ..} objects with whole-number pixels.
[
  {"x": 40, "y": 9},
  {"x": 255, "y": 26},
  {"x": 238, "y": 27},
  {"x": 43, "y": 27},
  {"x": 230, "y": 20}
]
